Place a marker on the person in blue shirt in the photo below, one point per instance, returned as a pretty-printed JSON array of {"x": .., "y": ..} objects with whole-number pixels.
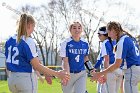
[
  {"x": 127, "y": 50},
  {"x": 74, "y": 52},
  {"x": 104, "y": 60},
  {"x": 22, "y": 59}
]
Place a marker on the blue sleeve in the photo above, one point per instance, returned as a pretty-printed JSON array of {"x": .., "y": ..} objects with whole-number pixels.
[
  {"x": 87, "y": 53},
  {"x": 98, "y": 63}
]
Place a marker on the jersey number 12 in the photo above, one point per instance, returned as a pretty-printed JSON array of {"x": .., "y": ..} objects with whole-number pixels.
[{"x": 11, "y": 59}]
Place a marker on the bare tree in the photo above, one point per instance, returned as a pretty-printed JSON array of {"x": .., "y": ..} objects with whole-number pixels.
[{"x": 53, "y": 22}]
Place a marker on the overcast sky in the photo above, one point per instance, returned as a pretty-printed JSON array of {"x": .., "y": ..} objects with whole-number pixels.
[{"x": 8, "y": 23}]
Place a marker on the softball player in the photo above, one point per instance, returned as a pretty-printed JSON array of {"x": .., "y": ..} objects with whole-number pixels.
[
  {"x": 21, "y": 58},
  {"x": 106, "y": 56},
  {"x": 74, "y": 52},
  {"x": 127, "y": 50}
]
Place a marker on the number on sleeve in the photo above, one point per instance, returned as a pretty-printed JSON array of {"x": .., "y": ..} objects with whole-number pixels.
[{"x": 136, "y": 49}]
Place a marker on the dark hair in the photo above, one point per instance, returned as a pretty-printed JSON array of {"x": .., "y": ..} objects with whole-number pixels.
[{"x": 103, "y": 28}]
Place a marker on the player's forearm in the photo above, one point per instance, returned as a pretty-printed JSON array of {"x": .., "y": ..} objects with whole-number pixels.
[
  {"x": 66, "y": 67},
  {"x": 106, "y": 61},
  {"x": 65, "y": 64},
  {"x": 86, "y": 58},
  {"x": 39, "y": 67},
  {"x": 110, "y": 69},
  {"x": 106, "y": 64},
  {"x": 113, "y": 67}
]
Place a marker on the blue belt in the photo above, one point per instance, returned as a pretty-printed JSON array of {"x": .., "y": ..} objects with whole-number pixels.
[{"x": 75, "y": 71}]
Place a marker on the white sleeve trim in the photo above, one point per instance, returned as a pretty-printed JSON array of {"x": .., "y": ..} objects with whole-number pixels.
[
  {"x": 103, "y": 50},
  {"x": 63, "y": 47},
  {"x": 118, "y": 54},
  {"x": 32, "y": 46}
]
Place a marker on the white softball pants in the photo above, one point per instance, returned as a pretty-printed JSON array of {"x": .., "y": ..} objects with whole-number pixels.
[{"x": 22, "y": 82}]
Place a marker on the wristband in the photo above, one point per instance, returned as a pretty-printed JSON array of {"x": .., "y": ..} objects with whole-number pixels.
[{"x": 89, "y": 65}]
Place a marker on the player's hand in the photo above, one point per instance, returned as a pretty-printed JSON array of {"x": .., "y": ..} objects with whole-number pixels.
[
  {"x": 92, "y": 72},
  {"x": 48, "y": 79},
  {"x": 41, "y": 79},
  {"x": 64, "y": 82},
  {"x": 63, "y": 75},
  {"x": 95, "y": 76},
  {"x": 102, "y": 79}
]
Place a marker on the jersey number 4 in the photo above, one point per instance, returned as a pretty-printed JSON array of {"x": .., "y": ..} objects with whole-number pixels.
[
  {"x": 11, "y": 59},
  {"x": 77, "y": 58}
]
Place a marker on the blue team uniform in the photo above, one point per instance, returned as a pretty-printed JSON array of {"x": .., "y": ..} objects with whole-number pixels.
[
  {"x": 106, "y": 49},
  {"x": 75, "y": 51},
  {"x": 19, "y": 55},
  {"x": 111, "y": 84},
  {"x": 127, "y": 50}
]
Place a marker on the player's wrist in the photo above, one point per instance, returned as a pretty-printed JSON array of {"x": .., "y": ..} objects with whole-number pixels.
[
  {"x": 89, "y": 65},
  {"x": 56, "y": 73}
]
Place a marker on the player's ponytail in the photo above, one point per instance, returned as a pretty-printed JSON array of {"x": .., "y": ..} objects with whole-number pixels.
[
  {"x": 22, "y": 26},
  {"x": 128, "y": 34}
]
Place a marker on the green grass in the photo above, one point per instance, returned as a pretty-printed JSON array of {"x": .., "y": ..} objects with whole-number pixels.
[
  {"x": 54, "y": 88},
  {"x": 46, "y": 88}
]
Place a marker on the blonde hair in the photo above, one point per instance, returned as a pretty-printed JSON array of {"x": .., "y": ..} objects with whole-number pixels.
[
  {"x": 22, "y": 25},
  {"x": 73, "y": 24}
]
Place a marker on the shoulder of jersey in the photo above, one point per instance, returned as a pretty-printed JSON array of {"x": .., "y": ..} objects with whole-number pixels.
[
  {"x": 124, "y": 37},
  {"x": 28, "y": 40},
  {"x": 11, "y": 38},
  {"x": 67, "y": 40},
  {"x": 82, "y": 39},
  {"x": 105, "y": 41},
  {"x": 14, "y": 37}
]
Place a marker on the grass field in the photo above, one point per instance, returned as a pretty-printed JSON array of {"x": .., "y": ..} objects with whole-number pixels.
[
  {"x": 54, "y": 88},
  {"x": 45, "y": 88}
]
